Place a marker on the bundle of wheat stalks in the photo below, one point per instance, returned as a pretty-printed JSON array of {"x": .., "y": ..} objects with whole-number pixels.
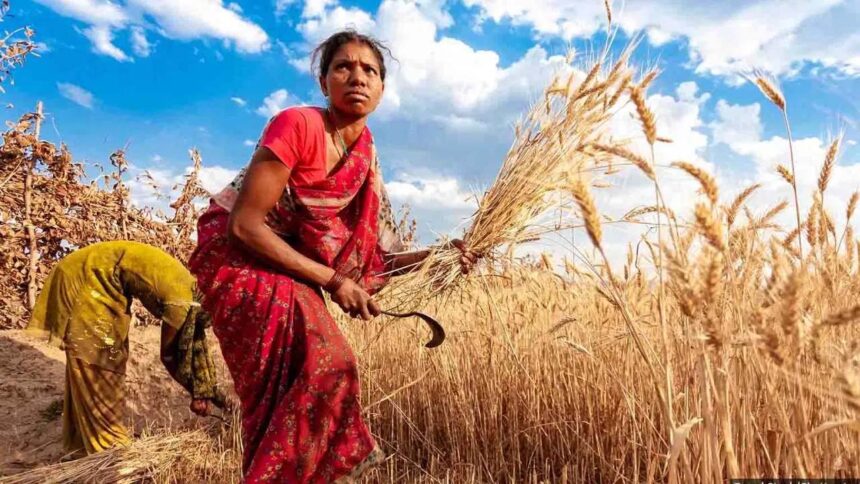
[
  {"x": 185, "y": 456},
  {"x": 557, "y": 144}
]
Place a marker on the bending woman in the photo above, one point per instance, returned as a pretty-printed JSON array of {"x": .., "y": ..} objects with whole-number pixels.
[
  {"x": 308, "y": 213},
  {"x": 85, "y": 308}
]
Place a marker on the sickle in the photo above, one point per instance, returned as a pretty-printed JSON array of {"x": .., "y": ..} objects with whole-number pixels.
[{"x": 436, "y": 328}]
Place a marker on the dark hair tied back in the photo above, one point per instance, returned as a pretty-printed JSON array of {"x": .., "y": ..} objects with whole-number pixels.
[{"x": 324, "y": 53}]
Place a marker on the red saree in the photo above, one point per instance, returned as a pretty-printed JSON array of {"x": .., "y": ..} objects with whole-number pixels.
[{"x": 294, "y": 372}]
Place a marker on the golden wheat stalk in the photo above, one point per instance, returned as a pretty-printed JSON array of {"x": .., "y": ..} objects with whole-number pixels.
[
  {"x": 626, "y": 79},
  {"x": 709, "y": 227},
  {"x": 608, "y": 8},
  {"x": 583, "y": 198},
  {"x": 812, "y": 229},
  {"x": 785, "y": 174},
  {"x": 771, "y": 90},
  {"x": 638, "y": 212},
  {"x": 852, "y": 205},
  {"x": 646, "y": 116},
  {"x": 647, "y": 79},
  {"x": 773, "y": 212},
  {"x": 709, "y": 185},
  {"x": 621, "y": 152},
  {"x": 738, "y": 201},
  {"x": 827, "y": 166},
  {"x": 790, "y": 237}
]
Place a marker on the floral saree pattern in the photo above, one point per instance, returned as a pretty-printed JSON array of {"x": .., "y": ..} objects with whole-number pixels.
[{"x": 293, "y": 369}]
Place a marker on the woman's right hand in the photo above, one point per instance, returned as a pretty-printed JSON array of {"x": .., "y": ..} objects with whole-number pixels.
[{"x": 355, "y": 301}]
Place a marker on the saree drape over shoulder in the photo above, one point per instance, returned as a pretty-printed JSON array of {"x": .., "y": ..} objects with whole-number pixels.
[{"x": 294, "y": 372}]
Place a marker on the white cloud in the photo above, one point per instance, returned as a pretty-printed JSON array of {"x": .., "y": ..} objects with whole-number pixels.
[
  {"x": 429, "y": 193},
  {"x": 168, "y": 183},
  {"x": 435, "y": 11},
  {"x": 437, "y": 203},
  {"x": 445, "y": 72},
  {"x": 777, "y": 35},
  {"x": 185, "y": 20},
  {"x": 281, "y": 6},
  {"x": 143, "y": 194},
  {"x": 809, "y": 156},
  {"x": 249, "y": 142},
  {"x": 139, "y": 43},
  {"x": 318, "y": 26},
  {"x": 315, "y": 8},
  {"x": 96, "y": 12},
  {"x": 275, "y": 103},
  {"x": 193, "y": 19},
  {"x": 442, "y": 80},
  {"x": 737, "y": 125},
  {"x": 76, "y": 94},
  {"x": 42, "y": 47},
  {"x": 551, "y": 17},
  {"x": 214, "y": 178},
  {"x": 763, "y": 155},
  {"x": 319, "y": 22},
  {"x": 239, "y": 101},
  {"x": 461, "y": 123},
  {"x": 102, "y": 40}
]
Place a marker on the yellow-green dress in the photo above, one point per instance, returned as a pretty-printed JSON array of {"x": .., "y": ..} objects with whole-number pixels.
[{"x": 84, "y": 308}]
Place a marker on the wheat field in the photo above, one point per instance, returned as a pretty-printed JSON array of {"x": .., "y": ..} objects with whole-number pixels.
[
  {"x": 542, "y": 381},
  {"x": 724, "y": 348}
]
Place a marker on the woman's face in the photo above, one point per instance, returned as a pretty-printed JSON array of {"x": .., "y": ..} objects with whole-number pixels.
[{"x": 353, "y": 83}]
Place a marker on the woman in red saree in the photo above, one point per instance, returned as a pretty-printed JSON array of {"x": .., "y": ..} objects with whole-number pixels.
[{"x": 309, "y": 213}]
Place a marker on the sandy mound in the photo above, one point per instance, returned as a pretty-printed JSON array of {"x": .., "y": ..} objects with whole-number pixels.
[{"x": 31, "y": 396}]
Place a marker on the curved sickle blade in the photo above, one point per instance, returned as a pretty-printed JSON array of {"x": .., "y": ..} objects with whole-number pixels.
[{"x": 436, "y": 328}]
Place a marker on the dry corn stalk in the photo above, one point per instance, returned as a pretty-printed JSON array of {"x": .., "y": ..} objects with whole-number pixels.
[{"x": 66, "y": 211}]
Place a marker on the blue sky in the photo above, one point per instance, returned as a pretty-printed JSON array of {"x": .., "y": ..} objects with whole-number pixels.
[{"x": 160, "y": 77}]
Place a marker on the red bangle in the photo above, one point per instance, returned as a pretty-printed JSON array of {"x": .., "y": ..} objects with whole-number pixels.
[{"x": 335, "y": 282}]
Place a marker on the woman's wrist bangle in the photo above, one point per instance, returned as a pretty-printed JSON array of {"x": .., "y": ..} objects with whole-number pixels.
[{"x": 335, "y": 282}]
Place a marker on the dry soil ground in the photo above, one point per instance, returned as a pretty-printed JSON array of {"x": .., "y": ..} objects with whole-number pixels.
[{"x": 31, "y": 396}]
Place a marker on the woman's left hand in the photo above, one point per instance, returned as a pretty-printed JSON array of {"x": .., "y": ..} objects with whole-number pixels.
[
  {"x": 201, "y": 406},
  {"x": 468, "y": 259}
]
